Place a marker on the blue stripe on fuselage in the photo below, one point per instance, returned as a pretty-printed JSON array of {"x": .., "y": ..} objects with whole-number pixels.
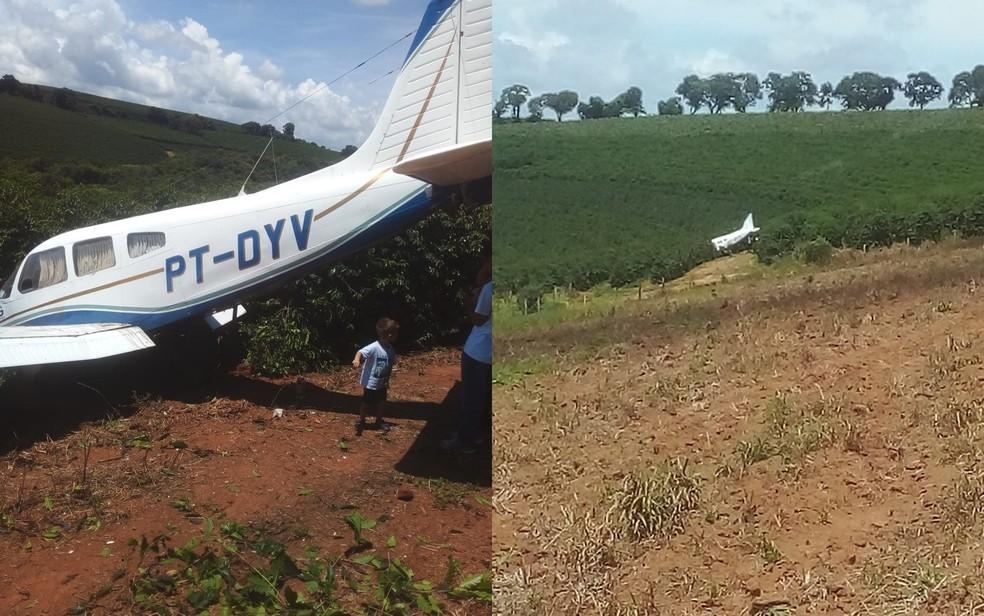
[{"x": 391, "y": 223}]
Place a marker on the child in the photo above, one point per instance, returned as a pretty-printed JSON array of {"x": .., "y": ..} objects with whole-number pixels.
[{"x": 377, "y": 361}]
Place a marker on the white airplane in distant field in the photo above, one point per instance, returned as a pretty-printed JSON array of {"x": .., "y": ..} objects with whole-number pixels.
[
  {"x": 728, "y": 240},
  {"x": 98, "y": 291}
]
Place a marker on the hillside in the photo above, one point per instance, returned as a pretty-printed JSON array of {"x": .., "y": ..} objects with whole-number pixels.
[
  {"x": 807, "y": 442},
  {"x": 619, "y": 200},
  {"x": 69, "y": 158},
  {"x": 137, "y": 150},
  {"x": 127, "y": 132}
]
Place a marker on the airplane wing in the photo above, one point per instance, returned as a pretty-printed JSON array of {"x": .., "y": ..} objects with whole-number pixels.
[
  {"x": 452, "y": 165},
  {"x": 30, "y": 345}
]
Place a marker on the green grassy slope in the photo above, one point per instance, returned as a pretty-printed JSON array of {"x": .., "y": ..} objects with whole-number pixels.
[
  {"x": 101, "y": 130},
  {"x": 627, "y": 198},
  {"x": 33, "y": 129},
  {"x": 102, "y": 159}
]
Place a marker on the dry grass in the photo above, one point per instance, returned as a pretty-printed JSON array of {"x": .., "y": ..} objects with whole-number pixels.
[
  {"x": 653, "y": 504},
  {"x": 964, "y": 505},
  {"x": 832, "y": 424}
]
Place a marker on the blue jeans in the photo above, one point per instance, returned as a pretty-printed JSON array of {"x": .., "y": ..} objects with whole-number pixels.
[{"x": 475, "y": 417}]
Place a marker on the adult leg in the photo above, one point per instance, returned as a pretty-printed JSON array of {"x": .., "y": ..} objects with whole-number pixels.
[{"x": 470, "y": 416}]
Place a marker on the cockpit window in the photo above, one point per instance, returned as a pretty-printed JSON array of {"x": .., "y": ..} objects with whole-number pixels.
[
  {"x": 43, "y": 269},
  {"x": 139, "y": 244},
  {"x": 92, "y": 256}
]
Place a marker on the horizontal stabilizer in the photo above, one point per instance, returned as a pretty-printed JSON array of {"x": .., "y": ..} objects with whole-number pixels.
[
  {"x": 30, "y": 345},
  {"x": 450, "y": 166}
]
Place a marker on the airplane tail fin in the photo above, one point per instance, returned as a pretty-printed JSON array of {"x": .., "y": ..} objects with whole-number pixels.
[
  {"x": 443, "y": 94},
  {"x": 748, "y": 225}
]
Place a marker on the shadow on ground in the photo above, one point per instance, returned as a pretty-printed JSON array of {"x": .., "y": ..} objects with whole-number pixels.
[
  {"x": 57, "y": 400},
  {"x": 425, "y": 459},
  {"x": 305, "y": 395}
]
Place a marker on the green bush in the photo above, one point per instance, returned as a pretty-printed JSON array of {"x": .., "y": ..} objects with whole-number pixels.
[
  {"x": 815, "y": 252},
  {"x": 422, "y": 278},
  {"x": 866, "y": 230},
  {"x": 279, "y": 344}
]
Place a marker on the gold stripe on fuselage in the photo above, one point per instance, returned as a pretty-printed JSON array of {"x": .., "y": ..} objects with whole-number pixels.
[
  {"x": 423, "y": 110},
  {"x": 101, "y": 287},
  {"x": 358, "y": 191},
  {"x": 406, "y": 144}
]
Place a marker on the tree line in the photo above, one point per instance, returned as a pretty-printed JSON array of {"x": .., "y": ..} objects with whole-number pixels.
[
  {"x": 561, "y": 103},
  {"x": 794, "y": 92}
]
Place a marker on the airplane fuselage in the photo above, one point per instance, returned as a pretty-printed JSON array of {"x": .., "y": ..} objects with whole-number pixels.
[
  {"x": 217, "y": 253},
  {"x": 731, "y": 239}
]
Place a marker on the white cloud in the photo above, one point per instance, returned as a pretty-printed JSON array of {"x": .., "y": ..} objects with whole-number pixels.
[
  {"x": 542, "y": 45},
  {"x": 609, "y": 45},
  {"x": 269, "y": 70},
  {"x": 709, "y": 62},
  {"x": 526, "y": 29},
  {"x": 90, "y": 45}
]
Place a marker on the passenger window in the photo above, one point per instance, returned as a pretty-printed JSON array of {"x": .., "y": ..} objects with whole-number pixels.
[
  {"x": 139, "y": 244},
  {"x": 43, "y": 269},
  {"x": 92, "y": 256}
]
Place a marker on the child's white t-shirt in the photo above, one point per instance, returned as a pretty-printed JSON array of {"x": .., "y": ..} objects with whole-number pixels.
[{"x": 377, "y": 363}]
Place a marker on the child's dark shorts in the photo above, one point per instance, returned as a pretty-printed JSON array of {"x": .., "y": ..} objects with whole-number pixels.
[{"x": 373, "y": 396}]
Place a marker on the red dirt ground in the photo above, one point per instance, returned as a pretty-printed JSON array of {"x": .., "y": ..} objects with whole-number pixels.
[{"x": 298, "y": 475}]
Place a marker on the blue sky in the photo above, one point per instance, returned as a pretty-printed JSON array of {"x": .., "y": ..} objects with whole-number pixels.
[
  {"x": 601, "y": 47},
  {"x": 237, "y": 60}
]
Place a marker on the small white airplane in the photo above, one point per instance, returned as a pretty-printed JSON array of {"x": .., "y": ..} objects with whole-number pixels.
[
  {"x": 98, "y": 291},
  {"x": 728, "y": 240}
]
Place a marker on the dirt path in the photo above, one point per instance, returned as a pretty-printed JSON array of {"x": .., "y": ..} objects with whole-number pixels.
[
  {"x": 809, "y": 448},
  {"x": 164, "y": 464}
]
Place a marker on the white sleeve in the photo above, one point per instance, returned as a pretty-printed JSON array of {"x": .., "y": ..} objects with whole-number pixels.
[{"x": 366, "y": 351}]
